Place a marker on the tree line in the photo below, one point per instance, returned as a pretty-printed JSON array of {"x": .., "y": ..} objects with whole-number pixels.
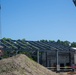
[{"x": 65, "y": 43}]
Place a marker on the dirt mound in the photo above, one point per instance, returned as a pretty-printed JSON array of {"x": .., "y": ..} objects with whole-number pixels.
[{"x": 22, "y": 65}]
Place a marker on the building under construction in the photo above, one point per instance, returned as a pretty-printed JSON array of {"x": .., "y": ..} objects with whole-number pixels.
[{"x": 49, "y": 54}]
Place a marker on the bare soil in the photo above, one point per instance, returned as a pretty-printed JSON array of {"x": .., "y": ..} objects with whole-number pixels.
[{"x": 22, "y": 65}]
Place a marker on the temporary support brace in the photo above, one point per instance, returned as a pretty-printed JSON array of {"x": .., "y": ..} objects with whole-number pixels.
[
  {"x": 69, "y": 57},
  {"x": 75, "y": 58},
  {"x": 46, "y": 60},
  {"x": 38, "y": 56},
  {"x": 57, "y": 58}
]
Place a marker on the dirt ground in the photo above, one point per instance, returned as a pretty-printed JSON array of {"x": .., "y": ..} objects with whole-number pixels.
[{"x": 22, "y": 65}]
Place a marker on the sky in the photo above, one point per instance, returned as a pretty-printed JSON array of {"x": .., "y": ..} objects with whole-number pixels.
[{"x": 38, "y": 19}]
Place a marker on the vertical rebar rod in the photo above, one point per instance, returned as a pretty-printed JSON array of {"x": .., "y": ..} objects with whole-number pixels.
[
  {"x": 0, "y": 27},
  {"x": 0, "y": 21},
  {"x": 0, "y": 24}
]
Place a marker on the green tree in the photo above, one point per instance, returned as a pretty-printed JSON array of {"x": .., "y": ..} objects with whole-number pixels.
[{"x": 73, "y": 44}]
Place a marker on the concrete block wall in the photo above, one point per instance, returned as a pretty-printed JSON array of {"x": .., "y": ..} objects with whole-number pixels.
[{"x": 51, "y": 59}]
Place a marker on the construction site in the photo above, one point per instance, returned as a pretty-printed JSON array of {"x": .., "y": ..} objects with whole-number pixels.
[{"x": 23, "y": 57}]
